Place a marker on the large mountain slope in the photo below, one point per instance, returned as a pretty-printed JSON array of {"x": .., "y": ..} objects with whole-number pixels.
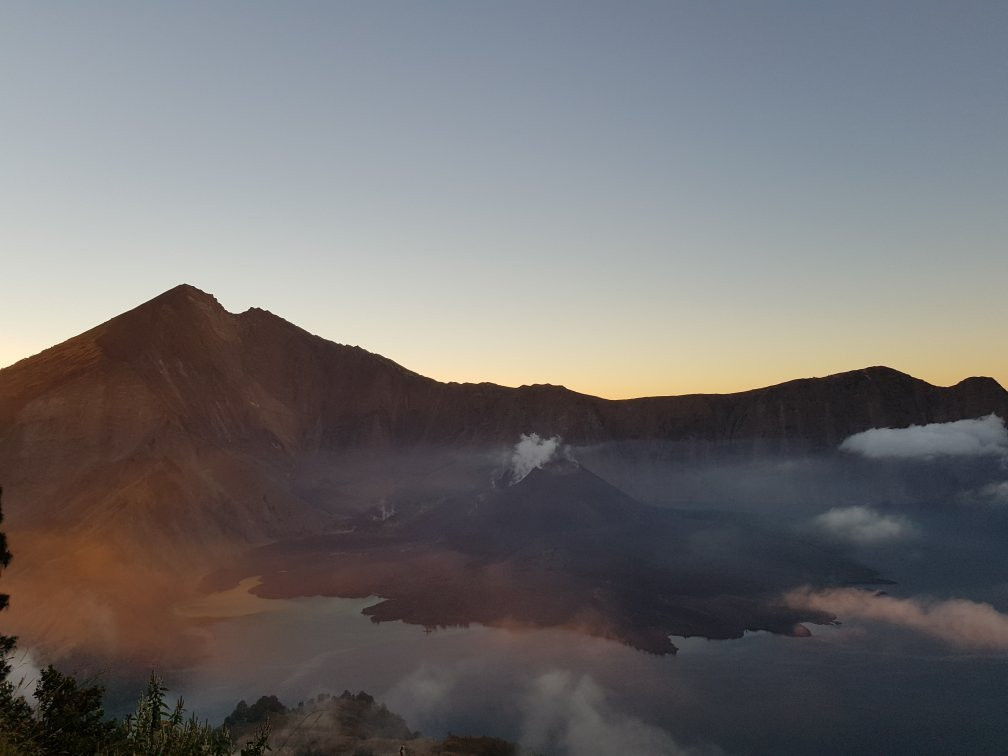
[
  {"x": 160, "y": 444},
  {"x": 179, "y": 417}
]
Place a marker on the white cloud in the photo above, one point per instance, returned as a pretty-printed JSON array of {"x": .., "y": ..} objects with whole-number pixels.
[
  {"x": 570, "y": 715},
  {"x": 864, "y": 525},
  {"x": 422, "y": 694},
  {"x": 962, "y": 623},
  {"x": 984, "y": 436},
  {"x": 995, "y": 493}
]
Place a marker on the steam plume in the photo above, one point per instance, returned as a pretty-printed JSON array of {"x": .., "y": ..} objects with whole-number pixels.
[{"x": 531, "y": 452}]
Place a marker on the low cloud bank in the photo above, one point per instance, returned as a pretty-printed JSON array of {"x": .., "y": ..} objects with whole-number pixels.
[
  {"x": 996, "y": 493},
  {"x": 861, "y": 524},
  {"x": 424, "y": 694},
  {"x": 558, "y": 712},
  {"x": 984, "y": 436},
  {"x": 530, "y": 452},
  {"x": 570, "y": 715},
  {"x": 964, "y": 624}
]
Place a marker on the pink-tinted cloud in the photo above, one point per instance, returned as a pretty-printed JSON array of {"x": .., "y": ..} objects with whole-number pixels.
[{"x": 965, "y": 624}]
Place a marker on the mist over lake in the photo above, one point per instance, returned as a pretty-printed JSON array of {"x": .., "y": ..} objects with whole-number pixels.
[
  {"x": 845, "y": 689},
  {"x": 860, "y": 685}
]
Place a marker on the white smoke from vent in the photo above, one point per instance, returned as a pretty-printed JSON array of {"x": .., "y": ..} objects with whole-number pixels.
[
  {"x": 984, "y": 436},
  {"x": 531, "y": 452}
]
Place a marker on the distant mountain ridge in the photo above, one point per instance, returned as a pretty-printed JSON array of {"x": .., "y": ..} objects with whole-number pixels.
[
  {"x": 238, "y": 421},
  {"x": 183, "y": 361}
]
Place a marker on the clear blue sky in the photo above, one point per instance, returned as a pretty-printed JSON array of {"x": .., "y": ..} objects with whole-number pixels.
[{"x": 627, "y": 198}]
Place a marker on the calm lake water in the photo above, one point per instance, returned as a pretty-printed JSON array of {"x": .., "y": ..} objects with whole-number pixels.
[{"x": 859, "y": 687}]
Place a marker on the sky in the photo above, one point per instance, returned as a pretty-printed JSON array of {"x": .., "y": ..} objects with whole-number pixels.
[{"x": 626, "y": 198}]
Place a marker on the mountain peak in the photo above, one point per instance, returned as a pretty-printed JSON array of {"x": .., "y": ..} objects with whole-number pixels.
[
  {"x": 184, "y": 295},
  {"x": 188, "y": 289},
  {"x": 177, "y": 319},
  {"x": 980, "y": 382}
]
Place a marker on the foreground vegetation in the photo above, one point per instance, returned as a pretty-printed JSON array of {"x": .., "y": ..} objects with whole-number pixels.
[
  {"x": 68, "y": 716},
  {"x": 69, "y": 719}
]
